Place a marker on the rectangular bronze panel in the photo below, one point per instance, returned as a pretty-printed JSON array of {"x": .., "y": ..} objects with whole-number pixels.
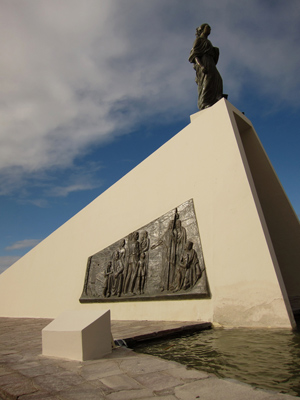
[{"x": 162, "y": 260}]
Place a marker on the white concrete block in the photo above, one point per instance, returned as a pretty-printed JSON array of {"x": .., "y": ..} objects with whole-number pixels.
[{"x": 78, "y": 335}]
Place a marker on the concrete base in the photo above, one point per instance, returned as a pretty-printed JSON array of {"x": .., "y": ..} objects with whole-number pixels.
[{"x": 78, "y": 335}]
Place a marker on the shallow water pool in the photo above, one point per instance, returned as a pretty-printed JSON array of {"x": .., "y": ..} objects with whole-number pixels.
[{"x": 265, "y": 358}]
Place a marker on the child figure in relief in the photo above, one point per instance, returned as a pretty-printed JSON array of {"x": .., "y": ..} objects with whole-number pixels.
[
  {"x": 109, "y": 280},
  {"x": 141, "y": 273}
]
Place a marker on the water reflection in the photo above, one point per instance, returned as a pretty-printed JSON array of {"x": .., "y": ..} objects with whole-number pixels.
[{"x": 267, "y": 359}]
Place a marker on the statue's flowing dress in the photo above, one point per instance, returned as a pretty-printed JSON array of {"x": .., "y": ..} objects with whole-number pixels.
[{"x": 210, "y": 84}]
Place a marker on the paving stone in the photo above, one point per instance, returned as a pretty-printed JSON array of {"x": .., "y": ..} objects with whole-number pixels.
[
  {"x": 41, "y": 370},
  {"x": 97, "y": 384},
  {"x": 40, "y": 396},
  {"x": 83, "y": 391},
  {"x": 12, "y": 358},
  {"x": 70, "y": 365},
  {"x": 22, "y": 366},
  {"x": 145, "y": 364},
  {"x": 5, "y": 371},
  {"x": 93, "y": 362},
  {"x": 219, "y": 389},
  {"x": 165, "y": 392},
  {"x": 57, "y": 382},
  {"x": 43, "y": 360},
  {"x": 11, "y": 378},
  {"x": 121, "y": 352},
  {"x": 16, "y": 385},
  {"x": 280, "y": 396},
  {"x": 120, "y": 382},
  {"x": 6, "y": 352},
  {"x": 36, "y": 368},
  {"x": 100, "y": 370},
  {"x": 130, "y": 394},
  {"x": 168, "y": 397},
  {"x": 187, "y": 374},
  {"x": 26, "y": 358},
  {"x": 158, "y": 380}
]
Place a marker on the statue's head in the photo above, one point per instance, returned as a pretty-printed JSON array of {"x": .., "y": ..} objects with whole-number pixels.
[
  {"x": 144, "y": 234},
  {"x": 116, "y": 255},
  {"x": 203, "y": 28}
]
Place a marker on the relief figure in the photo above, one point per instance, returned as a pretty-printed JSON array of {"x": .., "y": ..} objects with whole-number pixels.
[
  {"x": 141, "y": 273},
  {"x": 133, "y": 259},
  {"x": 181, "y": 240},
  {"x": 118, "y": 269},
  {"x": 189, "y": 270},
  {"x": 144, "y": 242},
  {"x": 109, "y": 281},
  {"x": 144, "y": 258},
  {"x": 168, "y": 241},
  {"x": 87, "y": 277},
  {"x": 123, "y": 255}
]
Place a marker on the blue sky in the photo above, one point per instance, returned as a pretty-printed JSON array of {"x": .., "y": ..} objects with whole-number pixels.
[{"x": 91, "y": 88}]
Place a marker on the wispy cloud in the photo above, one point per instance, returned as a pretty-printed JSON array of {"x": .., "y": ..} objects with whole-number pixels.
[
  {"x": 23, "y": 244},
  {"x": 37, "y": 187},
  {"x": 76, "y": 74},
  {"x": 63, "y": 191}
]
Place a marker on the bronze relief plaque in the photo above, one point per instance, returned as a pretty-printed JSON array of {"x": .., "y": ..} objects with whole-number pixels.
[{"x": 160, "y": 261}]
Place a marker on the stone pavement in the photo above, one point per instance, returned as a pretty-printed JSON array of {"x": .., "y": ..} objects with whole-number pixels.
[{"x": 123, "y": 375}]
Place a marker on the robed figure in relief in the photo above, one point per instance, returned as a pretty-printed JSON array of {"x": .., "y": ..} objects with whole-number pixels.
[{"x": 205, "y": 57}]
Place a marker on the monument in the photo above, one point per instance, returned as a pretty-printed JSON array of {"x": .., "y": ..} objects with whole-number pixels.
[
  {"x": 205, "y": 232},
  {"x": 205, "y": 58}
]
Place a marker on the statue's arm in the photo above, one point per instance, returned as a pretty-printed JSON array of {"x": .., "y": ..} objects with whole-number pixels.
[{"x": 203, "y": 68}]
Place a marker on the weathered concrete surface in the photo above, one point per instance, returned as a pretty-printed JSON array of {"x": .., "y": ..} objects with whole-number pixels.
[{"x": 122, "y": 375}]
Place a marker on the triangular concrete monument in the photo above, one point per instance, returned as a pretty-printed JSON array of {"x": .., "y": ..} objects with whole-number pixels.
[{"x": 249, "y": 232}]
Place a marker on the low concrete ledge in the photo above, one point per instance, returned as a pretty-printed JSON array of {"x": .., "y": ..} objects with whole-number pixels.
[{"x": 154, "y": 332}]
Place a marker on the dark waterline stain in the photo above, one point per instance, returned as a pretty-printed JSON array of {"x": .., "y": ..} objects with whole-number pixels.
[{"x": 264, "y": 358}]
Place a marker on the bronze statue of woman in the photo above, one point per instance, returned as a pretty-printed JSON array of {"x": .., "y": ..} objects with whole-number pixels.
[{"x": 205, "y": 57}]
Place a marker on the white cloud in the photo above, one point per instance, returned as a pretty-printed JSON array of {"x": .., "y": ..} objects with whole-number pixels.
[
  {"x": 63, "y": 191},
  {"x": 23, "y": 244},
  {"x": 76, "y": 73}
]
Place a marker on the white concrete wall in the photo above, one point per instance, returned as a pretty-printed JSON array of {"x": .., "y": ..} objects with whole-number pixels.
[{"x": 203, "y": 162}]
